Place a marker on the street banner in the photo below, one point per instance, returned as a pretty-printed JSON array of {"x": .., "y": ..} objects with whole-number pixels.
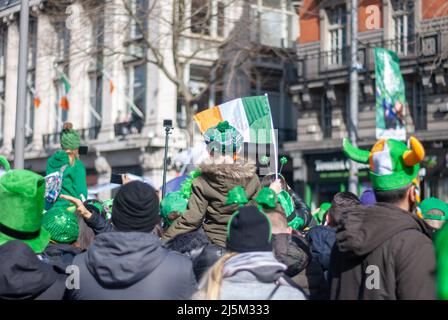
[{"x": 390, "y": 96}]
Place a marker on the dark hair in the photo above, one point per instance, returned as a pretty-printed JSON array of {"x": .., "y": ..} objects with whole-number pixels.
[
  {"x": 392, "y": 196},
  {"x": 341, "y": 201},
  {"x": 86, "y": 235}
]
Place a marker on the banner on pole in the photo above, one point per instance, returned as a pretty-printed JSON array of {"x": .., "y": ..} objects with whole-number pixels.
[{"x": 390, "y": 95}]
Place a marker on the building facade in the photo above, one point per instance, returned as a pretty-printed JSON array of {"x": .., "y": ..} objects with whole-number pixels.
[
  {"x": 417, "y": 31},
  {"x": 116, "y": 99}
]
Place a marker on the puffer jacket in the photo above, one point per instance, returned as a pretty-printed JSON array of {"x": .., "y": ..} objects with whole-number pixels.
[
  {"x": 382, "y": 252},
  {"x": 254, "y": 276},
  {"x": 132, "y": 265},
  {"x": 207, "y": 205}
]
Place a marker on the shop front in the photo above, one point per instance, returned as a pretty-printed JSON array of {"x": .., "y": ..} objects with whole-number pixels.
[
  {"x": 435, "y": 171},
  {"x": 328, "y": 174}
]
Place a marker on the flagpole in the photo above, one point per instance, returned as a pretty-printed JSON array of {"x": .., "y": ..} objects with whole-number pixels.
[
  {"x": 274, "y": 142},
  {"x": 19, "y": 144}
]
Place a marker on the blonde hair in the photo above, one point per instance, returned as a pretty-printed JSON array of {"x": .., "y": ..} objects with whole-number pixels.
[
  {"x": 72, "y": 155},
  {"x": 214, "y": 278}
]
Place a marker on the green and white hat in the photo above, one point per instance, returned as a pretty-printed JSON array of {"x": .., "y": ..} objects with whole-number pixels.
[
  {"x": 223, "y": 138},
  {"x": 393, "y": 165}
]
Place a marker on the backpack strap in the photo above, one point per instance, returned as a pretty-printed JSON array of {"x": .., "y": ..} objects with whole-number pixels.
[{"x": 61, "y": 171}]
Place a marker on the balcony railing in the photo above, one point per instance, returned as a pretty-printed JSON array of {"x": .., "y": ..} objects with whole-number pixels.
[
  {"x": 123, "y": 129},
  {"x": 318, "y": 65},
  {"x": 28, "y": 141},
  {"x": 49, "y": 140}
]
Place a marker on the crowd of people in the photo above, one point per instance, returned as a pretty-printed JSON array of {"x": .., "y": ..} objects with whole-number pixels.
[{"x": 226, "y": 234}]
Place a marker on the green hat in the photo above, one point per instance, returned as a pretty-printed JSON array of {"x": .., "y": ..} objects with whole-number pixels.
[
  {"x": 22, "y": 202},
  {"x": 441, "y": 246},
  {"x": 61, "y": 224},
  {"x": 238, "y": 196},
  {"x": 266, "y": 197},
  {"x": 4, "y": 163},
  {"x": 323, "y": 209},
  {"x": 70, "y": 138},
  {"x": 431, "y": 204},
  {"x": 173, "y": 202},
  {"x": 392, "y": 164},
  {"x": 223, "y": 138}
]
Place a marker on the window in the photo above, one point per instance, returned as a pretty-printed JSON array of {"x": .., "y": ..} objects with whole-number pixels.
[
  {"x": 326, "y": 117},
  {"x": 96, "y": 78},
  {"x": 31, "y": 78},
  {"x": 337, "y": 35},
  {"x": 403, "y": 24},
  {"x": 95, "y": 100},
  {"x": 276, "y": 26},
  {"x": 3, "y": 44},
  {"x": 136, "y": 88},
  {"x": 62, "y": 41},
  {"x": 221, "y": 19},
  {"x": 138, "y": 18},
  {"x": 201, "y": 15},
  {"x": 417, "y": 104},
  {"x": 199, "y": 79}
]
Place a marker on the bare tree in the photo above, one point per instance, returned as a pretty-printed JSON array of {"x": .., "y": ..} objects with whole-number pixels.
[{"x": 172, "y": 34}]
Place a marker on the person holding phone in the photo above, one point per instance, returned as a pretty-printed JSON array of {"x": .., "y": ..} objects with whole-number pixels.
[{"x": 67, "y": 162}]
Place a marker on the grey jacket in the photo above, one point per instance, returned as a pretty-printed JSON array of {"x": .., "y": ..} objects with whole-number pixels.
[
  {"x": 256, "y": 276},
  {"x": 132, "y": 265}
]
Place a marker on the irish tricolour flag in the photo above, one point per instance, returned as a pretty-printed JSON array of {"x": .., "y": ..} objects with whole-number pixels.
[{"x": 251, "y": 116}]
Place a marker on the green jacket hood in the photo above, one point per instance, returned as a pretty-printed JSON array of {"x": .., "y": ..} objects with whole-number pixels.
[{"x": 57, "y": 160}]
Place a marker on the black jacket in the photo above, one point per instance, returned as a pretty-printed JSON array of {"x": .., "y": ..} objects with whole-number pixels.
[
  {"x": 98, "y": 224},
  {"x": 132, "y": 265},
  {"x": 382, "y": 252},
  {"x": 198, "y": 247},
  {"x": 24, "y": 276},
  {"x": 294, "y": 252},
  {"x": 60, "y": 255},
  {"x": 321, "y": 240}
]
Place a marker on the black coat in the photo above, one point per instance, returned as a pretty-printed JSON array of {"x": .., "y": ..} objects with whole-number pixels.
[
  {"x": 132, "y": 265},
  {"x": 24, "y": 276},
  {"x": 60, "y": 255},
  {"x": 382, "y": 252},
  {"x": 294, "y": 252},
  {"x": 198, "y": 247},
  {"x": 321, "y": 240}
]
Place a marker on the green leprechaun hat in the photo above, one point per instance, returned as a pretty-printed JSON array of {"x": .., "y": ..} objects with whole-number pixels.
[
  {"x": 22, "y": 202},
  {"x": 392, "y": 164}
]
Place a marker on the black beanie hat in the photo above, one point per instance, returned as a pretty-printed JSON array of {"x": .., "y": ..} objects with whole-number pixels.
[
  {"x": 135, "y": 208},
  {"x": 249, "y": 230}
]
